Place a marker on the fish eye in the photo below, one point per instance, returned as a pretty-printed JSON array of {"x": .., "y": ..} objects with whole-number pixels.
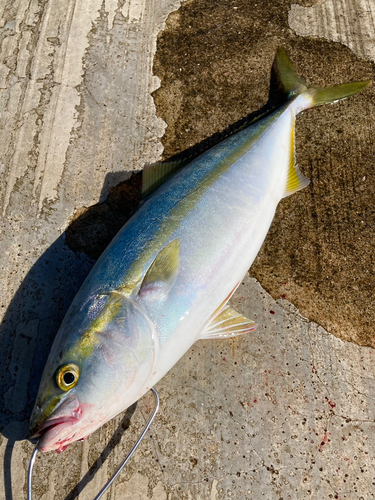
[{"x": 67, "y": 376}]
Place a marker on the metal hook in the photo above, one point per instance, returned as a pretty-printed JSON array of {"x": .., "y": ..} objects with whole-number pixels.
[
  {"x": 108, "y": 484},
  {"x": 30, "y": 471}
]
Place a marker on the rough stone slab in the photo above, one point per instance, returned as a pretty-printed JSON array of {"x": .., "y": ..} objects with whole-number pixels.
[
  {"x": 287, "y": 412},
  {"x": 350, "y": 22}
]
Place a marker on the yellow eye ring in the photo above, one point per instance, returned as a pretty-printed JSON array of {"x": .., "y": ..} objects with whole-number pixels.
[{"x": 67, "y": 376}]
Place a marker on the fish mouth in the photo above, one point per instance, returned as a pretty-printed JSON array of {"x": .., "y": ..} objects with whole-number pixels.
[
  {"x": 51, "y": 423},
  {"x": 53, "y": 434},
  {"x": 60, "y": 428}
]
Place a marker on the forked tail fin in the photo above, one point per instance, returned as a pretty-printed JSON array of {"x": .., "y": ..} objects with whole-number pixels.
[
  {"x": 292, "y": 85},
  {"x": 304, "y": 97}
]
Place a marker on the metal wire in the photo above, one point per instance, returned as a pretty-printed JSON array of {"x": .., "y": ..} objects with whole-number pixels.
[
  {"x": 109, "y": 483},
  {"x": 30, "y": 472}
]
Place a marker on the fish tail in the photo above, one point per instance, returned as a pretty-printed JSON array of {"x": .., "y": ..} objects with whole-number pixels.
[{"x": 292, "y": 85}]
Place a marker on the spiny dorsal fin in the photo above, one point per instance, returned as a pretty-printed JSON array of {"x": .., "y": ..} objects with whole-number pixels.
[
  {"x": 154, "y": 175},
  {"x": 163, "y": 271},
  {"x": 296, "y": 180},
  {"x": 229, "y": 323}
]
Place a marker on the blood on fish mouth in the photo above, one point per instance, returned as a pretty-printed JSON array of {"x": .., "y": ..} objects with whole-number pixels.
[
  {"x": 58, "y": 445},
  {"x": 64, "y": 426},
  {"x": 49, "y": 431},
  {"x": 49, "y": 424}
]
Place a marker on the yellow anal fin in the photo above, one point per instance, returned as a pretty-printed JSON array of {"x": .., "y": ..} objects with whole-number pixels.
[
  {"x": 223, "y": 305},
  {"x": 229, "y": 323},
  {"x": 296, "y": 180}
]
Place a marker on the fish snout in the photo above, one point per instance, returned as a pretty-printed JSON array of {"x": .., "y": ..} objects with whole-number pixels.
[{"x": 43, "y": 419}]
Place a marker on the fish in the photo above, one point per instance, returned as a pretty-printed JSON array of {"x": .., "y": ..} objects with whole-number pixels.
[{"x": 165, "y": 280}]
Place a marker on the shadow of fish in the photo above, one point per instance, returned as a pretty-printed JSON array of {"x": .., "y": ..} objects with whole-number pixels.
[{"x": 165, "y": 280}]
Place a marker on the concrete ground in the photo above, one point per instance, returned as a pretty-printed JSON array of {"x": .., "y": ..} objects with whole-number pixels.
[{"x": 287, "y": 412}]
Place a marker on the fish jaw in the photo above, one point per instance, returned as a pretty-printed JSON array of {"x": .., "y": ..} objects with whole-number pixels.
[
  {"x": 68, "y": 423},
  {"x": 59, "y": 435}
]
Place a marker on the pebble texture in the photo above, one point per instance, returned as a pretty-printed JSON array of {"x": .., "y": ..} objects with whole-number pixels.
[{"x": 286, "y": 412}]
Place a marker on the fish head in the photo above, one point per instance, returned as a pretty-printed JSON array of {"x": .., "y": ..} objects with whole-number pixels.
[{"x": 92, "y": 376}]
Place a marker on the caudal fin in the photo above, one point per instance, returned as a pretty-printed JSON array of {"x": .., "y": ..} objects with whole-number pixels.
[
  {"x": 292, "y": 85},
  {"x": 304, "y": 97}
]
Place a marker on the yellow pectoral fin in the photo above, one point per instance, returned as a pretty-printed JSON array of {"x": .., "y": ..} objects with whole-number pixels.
[
  {"x": 229, "y": 323},
  {"x": 164, "y": 269},
  {"x": 296, "y": 180}
]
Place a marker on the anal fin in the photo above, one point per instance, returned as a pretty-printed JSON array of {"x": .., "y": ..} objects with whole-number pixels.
[
  {"x": 224, "y": 304},
  {"x": 228, "y": 323}
]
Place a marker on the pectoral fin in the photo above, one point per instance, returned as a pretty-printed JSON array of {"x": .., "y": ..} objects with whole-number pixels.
[
  {"x": 229, "y": 323},
  {"x": 164, "y": 269}
]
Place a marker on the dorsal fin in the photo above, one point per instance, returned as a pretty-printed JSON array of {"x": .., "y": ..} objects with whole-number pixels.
[
  {"x": 154, "y": 175},
  {"x": 296, "y": 180}
]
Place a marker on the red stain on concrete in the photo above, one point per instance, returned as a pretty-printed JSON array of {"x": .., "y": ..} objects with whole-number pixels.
[
  {"x": 325, "y": 440},
  {"x": 332, "y": 405}
]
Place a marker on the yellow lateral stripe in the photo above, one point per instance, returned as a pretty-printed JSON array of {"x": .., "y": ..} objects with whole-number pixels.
[
  {"x": 85, "y": 344},
  {"x": 185, "y": 206}
]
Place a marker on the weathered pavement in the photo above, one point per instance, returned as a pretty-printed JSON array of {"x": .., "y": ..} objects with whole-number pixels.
[{"x": 287, "y": 412}]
